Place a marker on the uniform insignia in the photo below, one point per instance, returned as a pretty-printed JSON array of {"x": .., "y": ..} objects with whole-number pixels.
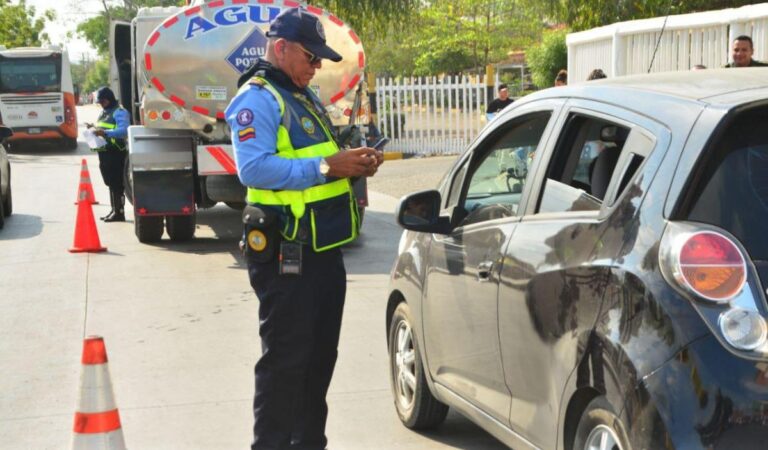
[
  {"x": 244, "y": 117},
  {"x": 257, "y": 240},
  {"x": 246, "y": 133},
  {"x": 256, "y": 81},
  {"x": 308, "y": 125}
]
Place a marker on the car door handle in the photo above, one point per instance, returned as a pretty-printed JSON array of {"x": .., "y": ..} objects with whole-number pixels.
[{"x": 484, "y": 270}]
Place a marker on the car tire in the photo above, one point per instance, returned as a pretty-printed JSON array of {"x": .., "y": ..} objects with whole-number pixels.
[
  {"x": 417, "y": 408},
  {"x": 8, "y": 200},
  {"x": 599, "y": 427},
  {"x": 180, "y": 228},
  {"x": 148, "y": 228}
]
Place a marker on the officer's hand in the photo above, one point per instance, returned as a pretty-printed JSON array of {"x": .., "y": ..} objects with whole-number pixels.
[
  {"x": 99, "y": 132},
  {"x": 88, "y": 125},
  {"x": 357, "y": 162}
]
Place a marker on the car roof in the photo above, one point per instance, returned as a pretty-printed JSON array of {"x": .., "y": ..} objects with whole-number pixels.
[{"x": 724, "y": 87}]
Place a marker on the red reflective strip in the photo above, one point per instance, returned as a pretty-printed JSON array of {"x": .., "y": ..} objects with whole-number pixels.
[
  {"x": 223, "y": 158},
  {"x": 148, "y": 61},
  {"x": 192, "y": 11},
  {"x": 315, "y": 10},
  {"x": 354, "y": 36},
  {"x": 337, "y": 97},
  {"x": 335, "y": 20},
  {"x": 201, "y": 110},
  {"x": 171, "y": 21},
  {"x": 353, "y": 83},
  {"x": 361, "y": 60},
  {"x": 94, "y": 351},
  {"x": 90, "y": 423},
  {"x": 215, "y": 4},
  {"x": 220, "y": 115},
  {"x": 177, "y": 100},
  {"x": 291, "y": 4},
  {"x": 158, "y": 84},
  {"x": 152, "y": 39}
]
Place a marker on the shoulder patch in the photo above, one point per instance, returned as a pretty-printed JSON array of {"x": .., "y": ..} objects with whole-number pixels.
[
  {"x": 246, "y": 134},
  {"x": 244, "y": 117}
]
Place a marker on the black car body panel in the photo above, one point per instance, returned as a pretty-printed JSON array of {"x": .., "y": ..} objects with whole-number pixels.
[{"x": 530, "y": 308}]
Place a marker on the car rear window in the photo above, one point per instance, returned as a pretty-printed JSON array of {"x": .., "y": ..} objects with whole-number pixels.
[{"x": 732, "y": 187}]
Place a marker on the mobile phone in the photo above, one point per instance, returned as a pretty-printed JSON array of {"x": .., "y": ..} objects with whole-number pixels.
[{"x": 380, "y": 145}]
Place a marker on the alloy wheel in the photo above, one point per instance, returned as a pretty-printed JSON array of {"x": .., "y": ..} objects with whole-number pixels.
[
  {"x": 405, "y": 365},
  {"x": 602, "y": 437}
]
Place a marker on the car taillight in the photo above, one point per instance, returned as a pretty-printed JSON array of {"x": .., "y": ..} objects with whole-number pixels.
[{"x": 711, "y": 266}]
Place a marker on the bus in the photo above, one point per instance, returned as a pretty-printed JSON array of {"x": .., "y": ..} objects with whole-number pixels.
[{"x": 37, "y": 97}]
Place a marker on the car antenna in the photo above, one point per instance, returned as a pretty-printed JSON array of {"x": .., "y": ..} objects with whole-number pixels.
[{"x": 658, "y": 41}]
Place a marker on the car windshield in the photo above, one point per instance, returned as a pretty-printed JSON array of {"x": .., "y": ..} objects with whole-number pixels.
[
  {"x": 20, "y": 75},
  {"x": 733, "y": 193}
]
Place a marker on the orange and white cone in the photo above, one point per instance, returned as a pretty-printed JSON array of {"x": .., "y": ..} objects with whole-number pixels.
[
  {"x": 85, "y": 188},
  {"x": 97, "y": 422}
]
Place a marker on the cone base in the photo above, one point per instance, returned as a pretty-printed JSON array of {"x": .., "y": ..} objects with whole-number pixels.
[
  {"x": 87, "y": 250},
  {"x": 92, "y": 203}
]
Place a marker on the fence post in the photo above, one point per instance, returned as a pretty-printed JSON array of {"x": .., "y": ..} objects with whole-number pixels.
[{"x": 373, "y": 108}]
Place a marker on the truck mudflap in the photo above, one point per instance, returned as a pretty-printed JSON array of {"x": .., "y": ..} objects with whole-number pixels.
[{"x": 162, "y": 166}]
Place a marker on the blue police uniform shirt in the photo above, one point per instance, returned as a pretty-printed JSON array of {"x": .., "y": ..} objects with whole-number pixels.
[
  {"x": 122, "y": 121},
  {"x": 254, "y": 118}
]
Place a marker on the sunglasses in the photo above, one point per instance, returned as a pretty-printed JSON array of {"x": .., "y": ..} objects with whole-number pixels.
[{"x": 311, "y": 57}]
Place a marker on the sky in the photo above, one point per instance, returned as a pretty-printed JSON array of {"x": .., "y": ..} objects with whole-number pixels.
[{"x": 69, "y": 13}]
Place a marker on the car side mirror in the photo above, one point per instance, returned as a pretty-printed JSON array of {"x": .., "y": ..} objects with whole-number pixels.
[
  {"x": 5, "y": 132},
  {"x": 420, "y": 211}
]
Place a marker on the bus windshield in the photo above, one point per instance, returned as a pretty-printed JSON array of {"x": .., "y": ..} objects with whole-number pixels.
[{"x": 33, "y": 74}]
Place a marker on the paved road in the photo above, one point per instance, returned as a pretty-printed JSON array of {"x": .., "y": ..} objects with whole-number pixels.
[{"x": 179, "y": 321}]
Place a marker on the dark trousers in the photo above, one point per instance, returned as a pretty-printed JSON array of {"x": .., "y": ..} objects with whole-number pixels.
[
  {"x": 299, "y": 325},
  {"x": 111, "y": 165}
]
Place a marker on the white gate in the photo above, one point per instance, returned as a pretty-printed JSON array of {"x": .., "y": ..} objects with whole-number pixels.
[
  {"x": 431, "y": 115},
  {"x": 627, "y": 48}
]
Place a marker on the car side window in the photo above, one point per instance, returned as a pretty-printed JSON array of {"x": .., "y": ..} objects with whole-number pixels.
[
  {"x": 582, "y": 164},
  {"x": 499, "y": 169}
]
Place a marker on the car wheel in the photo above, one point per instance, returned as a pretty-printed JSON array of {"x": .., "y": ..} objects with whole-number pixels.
[
  {"x": 415, "y": 404},
  {"x": 8, "y": 200},
  {"x": 600, "y": 428}
]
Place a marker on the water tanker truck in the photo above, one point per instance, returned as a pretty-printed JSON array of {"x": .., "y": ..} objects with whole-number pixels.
[{"x": 176, "y": 69}]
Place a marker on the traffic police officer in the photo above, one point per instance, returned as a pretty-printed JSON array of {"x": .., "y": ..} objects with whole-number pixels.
[
  {"x": 301, "y": 209},
  {"x": 112, "y": 125}
]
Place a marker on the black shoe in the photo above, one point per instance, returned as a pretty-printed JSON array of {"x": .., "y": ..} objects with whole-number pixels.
[
  {"x": 109, "y": 215},
  {"x": 117, "y": 216}
]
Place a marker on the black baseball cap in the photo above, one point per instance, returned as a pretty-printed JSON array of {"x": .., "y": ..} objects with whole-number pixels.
[{"x": 299, "y": 25}]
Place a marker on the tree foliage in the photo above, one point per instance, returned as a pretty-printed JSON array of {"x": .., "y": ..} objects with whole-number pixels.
[
  {"x": 547, "y": 58},
  {"x": 19, "y": 27}
]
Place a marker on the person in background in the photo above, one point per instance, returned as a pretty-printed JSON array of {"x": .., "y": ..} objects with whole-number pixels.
[
  {"x": 112, "y": 125},
  {"x": 298, "y": 216},
  {"x": 597, "y": 74},
  {"x": 562, "y": 78},
  {"x": 741, "y": 53},
  {"x": 499, "y": 103}
]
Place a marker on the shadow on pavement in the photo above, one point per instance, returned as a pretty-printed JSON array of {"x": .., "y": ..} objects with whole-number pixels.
[
  {"x": 21, "y": 226},
  {"x": 459, "y": 432}
]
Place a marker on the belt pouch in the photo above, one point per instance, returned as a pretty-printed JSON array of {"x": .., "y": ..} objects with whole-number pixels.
[{"x": 261, "y": 233}]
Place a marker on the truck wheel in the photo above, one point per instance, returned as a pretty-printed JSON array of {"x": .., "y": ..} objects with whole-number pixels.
[
  {"x": 128, "y": 180},
  {"x": 180, "y": 228},
  {"x": 148, "y": 228},
  {"x": 2, "y": 215},
  {"x": 8, "y": 201}
]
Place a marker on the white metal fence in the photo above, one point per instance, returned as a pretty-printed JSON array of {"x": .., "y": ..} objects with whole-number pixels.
[
  {"x": 431, "y": 115},
  {"x": 701, "y": 38}
]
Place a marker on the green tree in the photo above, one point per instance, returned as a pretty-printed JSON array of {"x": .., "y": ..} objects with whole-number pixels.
[
  {"x": 547, "y": 58},
  {"x": 97, "y": 76},
  {"x": 19, "y": 27}
]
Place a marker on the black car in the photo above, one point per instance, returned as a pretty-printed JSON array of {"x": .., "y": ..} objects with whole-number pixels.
[
  {"x": 592, "y": 272},
  {"x": 6, "y": 203}
]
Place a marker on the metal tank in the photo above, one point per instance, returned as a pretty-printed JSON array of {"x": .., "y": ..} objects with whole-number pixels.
[{"x": 176, "y": 69}]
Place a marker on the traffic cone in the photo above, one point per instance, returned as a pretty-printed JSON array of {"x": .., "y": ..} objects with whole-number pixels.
[
  {"x": 85, "y": 189},
  {"x": 86, "y": 234},
  {"x": 97, "y": 421}
]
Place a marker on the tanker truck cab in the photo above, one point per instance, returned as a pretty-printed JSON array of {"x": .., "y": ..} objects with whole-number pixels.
[
  {"x": 37, "y": 97},
  {"x": 176, "y": 70}
]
